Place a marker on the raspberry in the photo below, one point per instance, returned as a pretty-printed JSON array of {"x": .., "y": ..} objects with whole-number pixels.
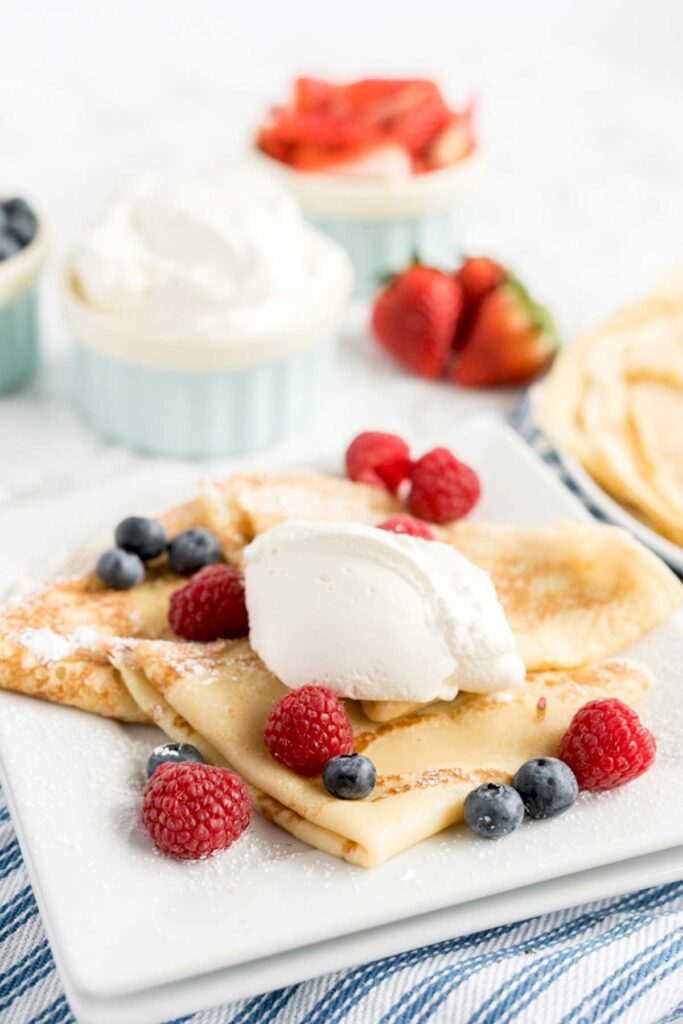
[
  {"x": 442, "y": 487},
  {"x": 194, "y": 810},
  {"x": 210, "y": 606},
  {"x": 407, "y": 525},
  {"x": 306, "y": 728},
  {"x": 382, "y": 460},
  {"x": 607, "y": 745}
]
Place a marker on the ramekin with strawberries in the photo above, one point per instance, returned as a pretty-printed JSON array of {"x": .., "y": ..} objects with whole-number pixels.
[
  {"x": 381, "y": 165},
  {"x": 478, "y": 325}
]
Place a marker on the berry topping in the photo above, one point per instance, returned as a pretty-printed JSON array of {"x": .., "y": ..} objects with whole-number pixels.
[
  {"x": 349, "y": 776},
  {"x": 18, "y": 226},
  {"x": 194, "y": 810},
  {"x": 607, "y": 745},
  {"x": 192, "y": 550},
  {"x": 306, "y": 728},
  {"x": 415, "y": 319},
  {"x": 547, "y": 786},
  {"x": 442, "y": 488},
  {"x": 408, "y": 525},
  {"x": 9, "y": 246},
  {"x": 172, "y": 753},
  {"x": 144, "y": 537},
  {"x": 21, "y": 221},
  {"x": 119, "y": 569},
  {"x": 210, "y": 606},
  {"x": 326, "y": 125},
  {"x": 382, "y": 460},
  {"x": 494, "y": 810}
]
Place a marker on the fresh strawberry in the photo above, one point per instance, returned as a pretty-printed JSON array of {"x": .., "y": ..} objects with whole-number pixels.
[
  {"x": 455, "y": 139},
  {"x": 478, "y": 276},
  {"x": 415, "y": 318},
  {"x": 511, "y": 340}
]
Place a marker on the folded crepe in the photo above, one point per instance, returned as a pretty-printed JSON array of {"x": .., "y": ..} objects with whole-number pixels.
[
  {"x": 53, "y": 644},
  {"x": 572, "y": 593},
  {"x": 614, "y": 401},
  {"x": 218, "y": 697}
]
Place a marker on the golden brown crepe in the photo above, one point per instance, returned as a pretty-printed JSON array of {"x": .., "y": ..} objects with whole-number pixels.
[
  {"x": 219, "y": 695},
  {"x": 572, "y": 593},
  {"x": 614, "y": 401}
]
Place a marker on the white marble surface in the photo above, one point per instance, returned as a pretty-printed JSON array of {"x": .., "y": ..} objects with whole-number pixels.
[{"x": 580, "y": 126}]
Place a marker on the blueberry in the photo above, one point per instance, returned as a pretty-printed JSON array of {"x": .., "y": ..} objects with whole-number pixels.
[
  {"x": 144, "y": 537},
  {"x": 494, "y": 810},
  {"x": 349, "y": 776},
  {"x": 120, "y": 569},
  {"x": 174, "y": 752},
  {"x": 192, "y": 550},
  {"x": 21, "y": 220},
  {"x": 9, "y": 246},
  {"x": 547, "y": 786}
]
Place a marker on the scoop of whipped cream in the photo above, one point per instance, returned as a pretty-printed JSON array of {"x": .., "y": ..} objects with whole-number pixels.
[
  {"x": 375, "y": 615},
  {"x": 213, "y": 254}
]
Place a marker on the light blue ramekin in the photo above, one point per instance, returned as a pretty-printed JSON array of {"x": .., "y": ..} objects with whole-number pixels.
[
  {"x": 191, "y": 398},
  {"x": 384, "y": 225},
  {"x": 19, "y": 316},
  {"x": 378, "y": 248},
  {"x": 202, "y": 414}
]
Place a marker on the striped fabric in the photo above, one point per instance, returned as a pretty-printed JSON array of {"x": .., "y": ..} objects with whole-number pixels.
[{"x": 618, "y": 960}]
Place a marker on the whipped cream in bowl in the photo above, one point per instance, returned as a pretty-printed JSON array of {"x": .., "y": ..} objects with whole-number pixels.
[
  {"x": 218, "y": 270},
  {"x": 375, "y": 615},
  {"x": 205, "y": 312}
]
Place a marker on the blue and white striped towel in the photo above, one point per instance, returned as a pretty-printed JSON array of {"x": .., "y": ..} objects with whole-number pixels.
[{"x": 619, "y": 960}]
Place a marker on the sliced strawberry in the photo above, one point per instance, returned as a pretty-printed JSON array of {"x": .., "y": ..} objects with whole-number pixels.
[
  {"x": 316, "y": 94},
  {"x": 378, "y": 159},
  {"x": 478, "y": 276},
  {"x": 417, "y": 126},
  {"x": 511, "y": 340},
  {"x": 455, "y": 139},
  {"x": 379, "y": 99},
  {"x": 318, "y": 128},
  {"x": 414, "y": 319}
]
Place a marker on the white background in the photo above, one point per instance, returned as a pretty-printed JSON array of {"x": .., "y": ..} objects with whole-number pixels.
[{"x": 581, "y": 129}]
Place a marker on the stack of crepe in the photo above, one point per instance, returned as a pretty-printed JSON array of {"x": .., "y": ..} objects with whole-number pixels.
[
  {"x": 575, "y": 596},
  {"x": 614, "y": 401}
]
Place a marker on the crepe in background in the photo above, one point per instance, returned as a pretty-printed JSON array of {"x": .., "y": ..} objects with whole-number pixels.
[{"x": 614, "y": 401}]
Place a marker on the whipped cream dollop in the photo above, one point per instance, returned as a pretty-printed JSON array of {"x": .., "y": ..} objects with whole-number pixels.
[
  {"x": 209, "y": 256},
  {"x": 375, "y": 615}
]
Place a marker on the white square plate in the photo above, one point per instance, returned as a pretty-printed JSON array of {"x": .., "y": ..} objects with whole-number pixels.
[{"x": 138, "y": 937}]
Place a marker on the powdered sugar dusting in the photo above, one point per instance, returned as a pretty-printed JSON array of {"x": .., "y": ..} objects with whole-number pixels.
[{"x": 47, "y": 646}]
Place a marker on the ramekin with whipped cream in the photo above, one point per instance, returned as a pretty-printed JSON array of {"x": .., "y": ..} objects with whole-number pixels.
[
  {"x": 20, "y": 267},
  {"x": 205, "y": 313}
]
